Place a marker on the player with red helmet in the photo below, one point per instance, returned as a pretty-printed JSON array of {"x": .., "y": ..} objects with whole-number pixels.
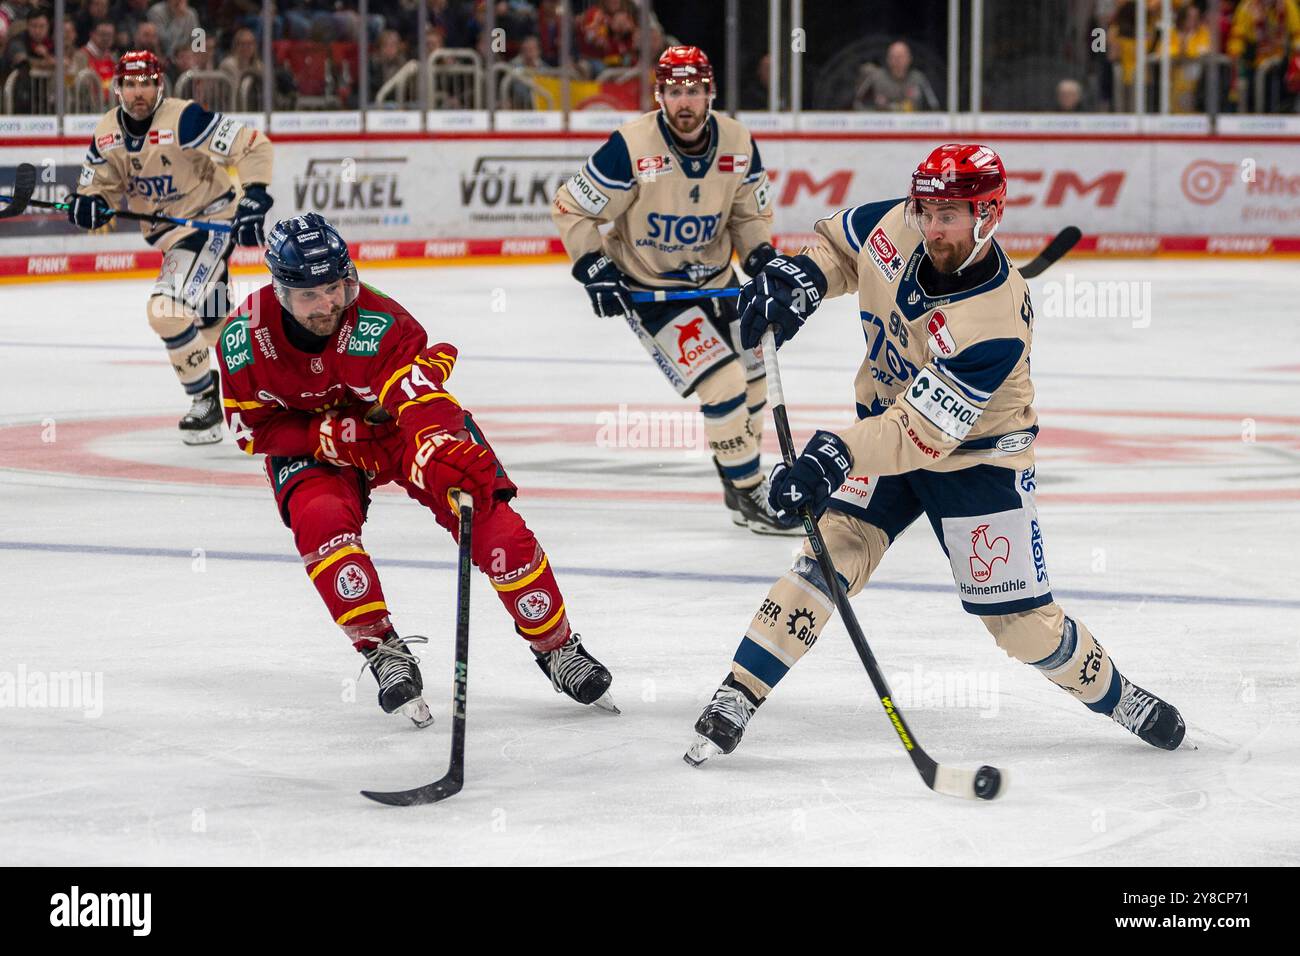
[
  {"x": 170, "y": 156},
  {"x": 683, "y": 188},
  {"x": 946, "y": 429}
]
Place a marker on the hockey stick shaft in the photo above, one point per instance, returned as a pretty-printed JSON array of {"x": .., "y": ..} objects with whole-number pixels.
[
  {"x": 452, "y": 781},
  {"x": 140, "y": 216},
  {"x": 673, "y": 295},
  {"x": 776, "y": 398}
]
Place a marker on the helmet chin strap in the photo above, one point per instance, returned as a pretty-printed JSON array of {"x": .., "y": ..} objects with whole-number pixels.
[{"x": 979, "y": 243}]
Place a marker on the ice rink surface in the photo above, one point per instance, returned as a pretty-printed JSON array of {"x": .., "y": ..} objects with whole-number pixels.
[{"x": 221, "y": 723}]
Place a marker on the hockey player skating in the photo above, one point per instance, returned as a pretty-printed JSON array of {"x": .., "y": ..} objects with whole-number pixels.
[
  {"x": 945, "y": 429},
  {"x": 169, "y": 156},
  {"x": 336, "y": 385},
  {"x": 683, "y": 187}
]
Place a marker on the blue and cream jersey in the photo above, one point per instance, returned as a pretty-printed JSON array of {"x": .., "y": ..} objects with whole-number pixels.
[
  {"x": 677, "y": 217},
  {"x": 179, "y": 167},
  {"x": 945, "y": 381}
]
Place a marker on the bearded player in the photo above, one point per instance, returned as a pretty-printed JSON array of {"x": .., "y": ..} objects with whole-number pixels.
[
  {"x": 684, "y": 187},
  {"x": 170, "y": 156},
  {"x": 945, "y": 429},
  {"x": 336, "y": 385}
]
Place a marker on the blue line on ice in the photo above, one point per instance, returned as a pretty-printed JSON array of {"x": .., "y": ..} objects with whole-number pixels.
[{"x": 640, "y": 573}]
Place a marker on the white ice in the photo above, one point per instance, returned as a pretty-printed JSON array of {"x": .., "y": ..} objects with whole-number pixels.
[{"x": 225, "y": 732}]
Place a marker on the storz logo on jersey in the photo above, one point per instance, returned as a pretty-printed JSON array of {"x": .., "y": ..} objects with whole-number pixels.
[
  {"x": 685, "y": 230},
  {"x": 151, "y": 187},
  {"x": 1036, "y": 545},
  {"x": 883, "y": 254}
]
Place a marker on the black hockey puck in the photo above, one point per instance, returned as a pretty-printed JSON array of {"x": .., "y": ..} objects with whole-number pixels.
[{"x": 988, "y": 782}]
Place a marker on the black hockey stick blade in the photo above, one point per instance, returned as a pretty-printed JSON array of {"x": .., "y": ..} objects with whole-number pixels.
[
  {"x": 451, "y": 782},
  {"x": 24, "y": 186},
  {"x": 1058, "y": 247}
]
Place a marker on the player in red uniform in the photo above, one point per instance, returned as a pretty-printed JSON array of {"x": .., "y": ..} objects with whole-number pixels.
[{"x": 336, "y": 385}]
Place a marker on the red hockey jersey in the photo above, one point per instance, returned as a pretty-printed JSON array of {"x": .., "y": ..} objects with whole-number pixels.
[{"x": 378, "y": 356}]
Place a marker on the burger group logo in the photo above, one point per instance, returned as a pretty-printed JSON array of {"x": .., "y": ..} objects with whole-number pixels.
[
  {"x": 985, "y": 554},
  {"x": 352, "y": 582},
  {"x": 1204, "y": 181},
  {"x": 352, "y": 192}
]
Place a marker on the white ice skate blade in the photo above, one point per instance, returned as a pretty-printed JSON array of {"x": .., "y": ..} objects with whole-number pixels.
[
  {"x": 208, "y": 436},
  {"x": 759, "y": 528},
  {"x": 606, "y": 703},
  {"x": 418, "y": 711},
  {"x": 700, "y": 751}
]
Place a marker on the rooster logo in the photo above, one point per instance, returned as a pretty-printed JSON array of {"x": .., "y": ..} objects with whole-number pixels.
[
  {"x": 986, "y": 553},
  {"x": 686, "y": 334}
]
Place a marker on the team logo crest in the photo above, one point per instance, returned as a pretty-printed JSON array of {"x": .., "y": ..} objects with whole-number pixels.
[
  {"x": 352, "y": 582},
  {"x": 985, "y": 554},
  {"x": 884, "y": 254},
  {"x": 534, "y": 605},
  {"x": 317, "y": 365}
]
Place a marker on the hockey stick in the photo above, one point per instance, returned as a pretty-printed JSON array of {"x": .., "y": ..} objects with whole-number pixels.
[
  {"x": 1062, "y": 243},
  {"x": 454, "y": 778},
  {"x": 123, "y": 213},
  {"x": 24, "y": 186},
  {"x": 1058, "y": 247},
  {"x": 986, "y": 783}
]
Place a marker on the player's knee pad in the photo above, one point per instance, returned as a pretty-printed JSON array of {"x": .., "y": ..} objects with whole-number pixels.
[
  {"x": 1063, "y": 649},
  {"x": 855, "y": 547},
  {"x": 727, "y": 424},
  {"x": 785, "y": 627},
  {"x": 186, "y": 346},
  {"x": 521, "y": 574},
  {"x": 323, "y": 509},
  {"x": 169, "y": 318}
]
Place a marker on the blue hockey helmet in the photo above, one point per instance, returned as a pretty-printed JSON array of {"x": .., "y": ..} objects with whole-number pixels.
[{"x": 306, "y": 251}]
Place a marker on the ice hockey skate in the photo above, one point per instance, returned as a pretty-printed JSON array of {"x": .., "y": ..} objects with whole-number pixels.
[
  {"x": 1147, "y": 717},
  {"x": 397, "y": 672},
  {"x": 574, "y": 672},
  {"x": 722, "y": 724},
  {"x": 202, "y": 423}
]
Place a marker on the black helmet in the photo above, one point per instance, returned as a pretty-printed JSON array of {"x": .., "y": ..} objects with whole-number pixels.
[{"x": 306, "y": 251}]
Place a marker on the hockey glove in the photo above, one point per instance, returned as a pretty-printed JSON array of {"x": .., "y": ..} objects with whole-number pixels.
[
  {"x": 760, "y": 256},
  {"x": 605, "y": 284},
  {"x": 444, "y": 461},
  {"x": 88, "y": 212},
  {"x": 784, "y": 293},
  {"x": 250, "y": 215},
  {"x": 816, "y": 475},
  {"x": 345, "y": 440}
]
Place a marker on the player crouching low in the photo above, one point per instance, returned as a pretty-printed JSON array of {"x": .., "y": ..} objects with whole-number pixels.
[
  {"x": 335, "y": 384},
  {"x": 946, "y": 428}
]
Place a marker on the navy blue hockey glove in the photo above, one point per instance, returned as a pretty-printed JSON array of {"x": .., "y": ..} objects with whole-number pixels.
[
  {"x": 761, "y": 255},
  {"x": 88, "y": 212},
  {"x": 606, "y": 285},
  {"x": 816, "y": 475},
  {"x": 250, "y": 215},
  {"x": 784, "y": 293}
]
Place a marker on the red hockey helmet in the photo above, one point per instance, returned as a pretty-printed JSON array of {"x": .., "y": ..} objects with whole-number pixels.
[
  {"x": 140, "y": 64},
  {"x": 684, "y": 64},
  {"x": 965, "y": 172}
]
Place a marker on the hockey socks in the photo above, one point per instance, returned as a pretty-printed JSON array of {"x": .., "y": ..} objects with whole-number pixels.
[{"x": 786, "y": 626}]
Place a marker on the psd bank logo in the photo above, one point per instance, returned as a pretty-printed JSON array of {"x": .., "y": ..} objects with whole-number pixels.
[{"x": 1204, "y": 181}]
